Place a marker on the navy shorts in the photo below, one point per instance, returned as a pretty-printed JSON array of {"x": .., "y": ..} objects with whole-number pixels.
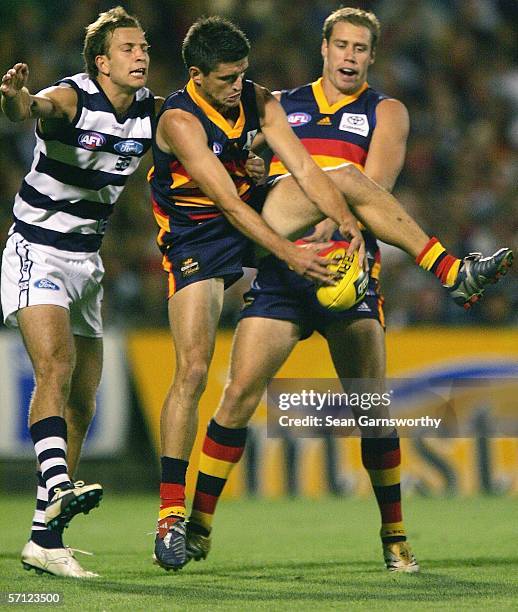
[
  {"x": 209, "y": 248},
  {"x": 279, "y": 293}
]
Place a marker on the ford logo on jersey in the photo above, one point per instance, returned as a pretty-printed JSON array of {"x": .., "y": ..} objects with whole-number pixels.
[
  {"x": 45, "y": 283},
  {"x": 298, "y": 119},
  {"x": 129, "y": 147},
  {"x": 91, "y": 140}
]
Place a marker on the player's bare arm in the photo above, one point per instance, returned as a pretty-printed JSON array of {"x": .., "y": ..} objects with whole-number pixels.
[
  {"x": 313, "y": 181},
  {"x": 387, "y": 149},
  {"x": 19, "y": 104},
  {"x": 181, "y": 134}
]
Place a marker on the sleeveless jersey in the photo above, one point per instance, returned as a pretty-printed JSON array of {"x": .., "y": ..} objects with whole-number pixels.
[
  {"x": 333, "y": 134},
  {"x": 78, "y": 173},
  {"x": 175, "y": 196}
]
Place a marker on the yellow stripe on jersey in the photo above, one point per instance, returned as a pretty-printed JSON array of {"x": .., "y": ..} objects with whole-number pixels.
[
  {"x": 216, "y": 118},
  {"x": 162, "y": 220},
  {"x": 180, "y": 180},
  {"x": 323, "y": 161},
  {"x": 329, "y": 109},
  {"x": 375, "y": 271}
]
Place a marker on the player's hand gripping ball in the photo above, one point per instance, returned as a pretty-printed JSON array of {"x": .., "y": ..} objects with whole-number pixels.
[{"x": 352, "y": 284}]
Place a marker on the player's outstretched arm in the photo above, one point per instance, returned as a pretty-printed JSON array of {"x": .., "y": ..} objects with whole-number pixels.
[
  {"x": 312, "y": 180},
  {"x": 181, "y": 134},
  {"x": 19, "y": 104}
]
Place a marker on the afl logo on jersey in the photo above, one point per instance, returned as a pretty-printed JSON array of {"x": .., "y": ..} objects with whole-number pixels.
[
  {"x": 298, "y": 119},
  {"x": 91, "y": 140},
  {"x": 129, "y": 147},
  {"x": 217, "y": 148}
]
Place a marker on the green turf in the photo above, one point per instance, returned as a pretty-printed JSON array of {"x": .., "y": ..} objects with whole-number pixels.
[{"x": 283, "y": 555}]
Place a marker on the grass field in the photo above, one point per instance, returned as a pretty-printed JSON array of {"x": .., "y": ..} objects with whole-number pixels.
[{"x": 283, "y": 555}]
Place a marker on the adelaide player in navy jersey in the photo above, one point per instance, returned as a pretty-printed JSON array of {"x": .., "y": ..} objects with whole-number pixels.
[
  {"x": 93, "y": 129},
  {"x": 339, "y": 120},
  {"x": 207, "y": 210}
]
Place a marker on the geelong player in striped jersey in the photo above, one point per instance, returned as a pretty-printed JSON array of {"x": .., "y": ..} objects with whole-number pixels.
[{"x": 93, "y": 129}]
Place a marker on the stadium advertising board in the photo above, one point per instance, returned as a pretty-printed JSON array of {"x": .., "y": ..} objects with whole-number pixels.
[{"x": 287, "y": 464}]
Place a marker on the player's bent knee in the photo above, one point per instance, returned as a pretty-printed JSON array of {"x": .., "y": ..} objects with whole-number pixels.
[
  {"x": 53, "y": 374},
  {"x": 238, "y": 405},
  {"x": 193, "y": 376},
  {"x": 81, "y": 410},
  {"x": 343, "y": 176}
]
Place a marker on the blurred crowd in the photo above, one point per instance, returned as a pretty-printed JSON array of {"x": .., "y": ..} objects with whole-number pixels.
[{"x": 454, "y": 63}]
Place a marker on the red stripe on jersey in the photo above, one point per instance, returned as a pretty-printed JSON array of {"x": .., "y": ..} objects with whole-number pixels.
[
  {"x": 176, "y": 167},
  {"x": 156, "y": 207},
  {"x": 334, "y": 148},
  {"x": 222, "y": 452},
  {"x": 200, "y": 217}
]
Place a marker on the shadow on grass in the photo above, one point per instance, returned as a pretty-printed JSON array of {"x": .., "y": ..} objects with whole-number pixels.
[{"x": 313, "y": 581}]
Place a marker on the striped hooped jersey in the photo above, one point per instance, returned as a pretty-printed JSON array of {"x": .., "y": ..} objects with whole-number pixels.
[
  {"x": 332, "y": 133},
  {"x": 174, "y": 193},
  {"x": 79, "y": 172}
]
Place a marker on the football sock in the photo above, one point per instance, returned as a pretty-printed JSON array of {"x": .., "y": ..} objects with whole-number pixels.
[
  {"x": 172, "y": 487},
  {"x": 381, "y": 458},
  {"x": 222, "y": 449},
  {"x": 435, "y": 259},
  {"x": 50, "y": 443},
  {"x": 40, "y": 534}
]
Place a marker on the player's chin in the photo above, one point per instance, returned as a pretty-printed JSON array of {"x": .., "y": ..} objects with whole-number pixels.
[{"x": 137, "y": 80}]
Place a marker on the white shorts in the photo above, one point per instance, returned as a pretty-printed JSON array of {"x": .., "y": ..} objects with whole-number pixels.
[{"x": 33, "y": 274}]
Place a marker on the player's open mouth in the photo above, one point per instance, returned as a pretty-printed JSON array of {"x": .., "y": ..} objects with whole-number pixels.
[
  {"x": 138, "y": 72},
  {"x": 348, "y": 72}
]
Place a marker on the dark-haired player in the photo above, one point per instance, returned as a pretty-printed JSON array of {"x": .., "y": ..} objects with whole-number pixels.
[
  {"x": 207, "y": 210},
  {"x": 93, "y": 129},
  {"x": 339, "y": 119}
]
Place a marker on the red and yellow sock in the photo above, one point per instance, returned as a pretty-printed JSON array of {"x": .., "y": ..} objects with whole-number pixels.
[
  {"x": 222, "y": 449},
  {"x": 172, "y": 492},
  {"x": 435, "y": 259},
  {"x": 381, "y": 458}
]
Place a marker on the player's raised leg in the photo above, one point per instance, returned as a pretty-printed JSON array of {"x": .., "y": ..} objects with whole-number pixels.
[
  {"x": 260, "y": 347},
  {"x": 193, "y": 315},
  {"x": 358, "y": 351},
  {"x": 289, "y": 212}
]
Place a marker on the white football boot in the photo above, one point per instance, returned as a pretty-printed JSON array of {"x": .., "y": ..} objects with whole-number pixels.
[{"x": 55, "y": 561}]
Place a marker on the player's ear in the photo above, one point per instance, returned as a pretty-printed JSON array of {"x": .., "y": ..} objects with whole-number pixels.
[
  {"x": 195, "y": 74},
  {"x": 323, "y": 48},
  {"x": 101, "y": 61},
  {"x": 373, "y": 58}
]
